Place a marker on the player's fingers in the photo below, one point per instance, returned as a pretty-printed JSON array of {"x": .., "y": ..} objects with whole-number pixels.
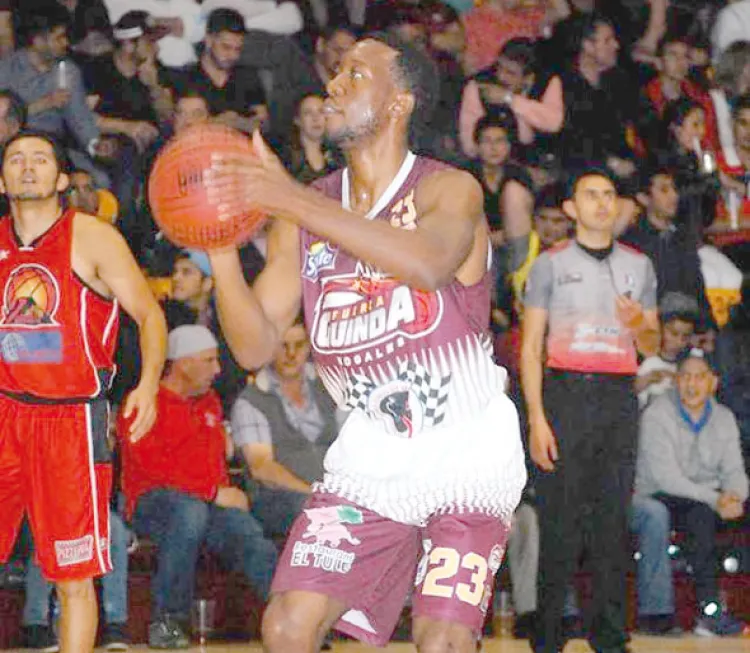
[
  {"x": 554, "y": 454},
  {"x": 128, "y": 409}
]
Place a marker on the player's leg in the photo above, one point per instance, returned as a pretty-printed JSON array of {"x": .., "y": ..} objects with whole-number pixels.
[
  {"x": 78, "y": 615},
  {"x": 342, "y": 566},
  {"x": 70, "y": 478},
  {"x": 455, "y": 579},
  {"x": 12, "y": 480}
]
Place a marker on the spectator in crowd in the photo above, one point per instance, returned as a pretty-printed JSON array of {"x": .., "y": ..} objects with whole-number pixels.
[
  {"x": 128, "y": 91},
  {"x": 7, "y": 35},
  {"x": 190, "y": 108},
  {"x": 689, "y": 458},
  {"x": 667, "y": 236},
  {"x": 731, "y": 25},
  {"x": 177, "y": 489},
  {"x": 12, "y": 115},
  {"x": 678, "y": 315},
  {"x": 732, "y": 81},
  {"x": 283, "y": 424},
  {"x": 674, "y": 82},
  {"x": 599, "y": 99},
  {"x": 40, "y": 635},
  {"x": 513, "y": 84},
  {"x": 585, "y": 298},
  {"x": 49, "y": 83},
  {"x": 83, "y": 195},
  {"x": 723, "y": 281},
  {"x": 310, "y": 156},
  {"x": 234, "y": 94},
  {"x": 91, "y": 29},
  {"x": 735, "y": 163},
  {"x": 330, "y": 47}
]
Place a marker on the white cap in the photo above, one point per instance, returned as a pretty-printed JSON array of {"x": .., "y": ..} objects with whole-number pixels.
[{"x": 188, "y": 340}]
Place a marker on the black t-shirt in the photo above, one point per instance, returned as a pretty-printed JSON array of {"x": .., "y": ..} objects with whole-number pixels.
[
  {"x": 511, "y": 172},
  {"x": 120, "y": 97},
  {"x": 242, "y": 90}
]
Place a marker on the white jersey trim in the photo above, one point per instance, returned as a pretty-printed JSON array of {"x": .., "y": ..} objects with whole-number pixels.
[{"x": 389, "y": 192}]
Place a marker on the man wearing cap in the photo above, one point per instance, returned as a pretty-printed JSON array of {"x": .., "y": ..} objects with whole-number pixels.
[
  {"x": 690, "y": 459},
  {"x": 177, "y": 489},
  {"x": 590, "y": 307}
]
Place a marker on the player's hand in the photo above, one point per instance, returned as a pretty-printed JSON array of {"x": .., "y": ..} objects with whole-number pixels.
[
  {"x": 629, "y": 312},
  {"x": 729, "y": 506},
  {"x": 543, "y": 444},
  {"x": 141, "y": 407},
  {"x": 232, "y": 497},
  {"x": 240, "y": 182}
]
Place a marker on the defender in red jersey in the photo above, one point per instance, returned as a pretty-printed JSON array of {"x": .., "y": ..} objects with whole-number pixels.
[
  {"x": 63, "y": 277},
  {"x": 390, "y": 263}
]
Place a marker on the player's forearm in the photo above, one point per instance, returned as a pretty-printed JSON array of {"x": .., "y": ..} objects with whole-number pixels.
[
  {"x": 531, "y": 382},
  {"x": 409, "y": 255},
  {"x": 153, "y": 344},
  {"x": 251, "y": 336},
  {"x": 274, "y": 474}
]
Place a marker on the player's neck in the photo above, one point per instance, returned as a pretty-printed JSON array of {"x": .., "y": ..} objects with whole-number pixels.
[
  {"x": 372, "y": 167},
  {"x": 31, "y": 219}
]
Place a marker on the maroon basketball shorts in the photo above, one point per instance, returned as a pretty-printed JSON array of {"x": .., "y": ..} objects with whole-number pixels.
[
  {"x": 55, "y": 466},
  {"x": 372, "y": 564}
]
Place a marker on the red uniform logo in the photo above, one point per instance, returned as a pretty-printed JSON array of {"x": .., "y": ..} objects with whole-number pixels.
[{"x": 31, "y": 297}]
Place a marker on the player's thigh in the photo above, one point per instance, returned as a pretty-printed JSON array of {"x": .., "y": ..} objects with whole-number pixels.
[
  {"x": 13, "y": 476},
  {"x": 356, "y": 558},
  {"x": 70, "y": 486},
  {"x": 456, "y": 575}
]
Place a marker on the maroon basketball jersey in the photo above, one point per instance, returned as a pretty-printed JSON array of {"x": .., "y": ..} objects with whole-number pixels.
[
  {"x": 57, "y": 335},
  {"x": 410, "y": 359}
]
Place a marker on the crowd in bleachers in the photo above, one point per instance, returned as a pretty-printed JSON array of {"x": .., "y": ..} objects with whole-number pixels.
[{"x": 655, "y": 91}]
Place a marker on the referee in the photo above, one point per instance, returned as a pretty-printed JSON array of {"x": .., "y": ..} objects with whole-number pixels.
[{"x": 590, "y": 305}]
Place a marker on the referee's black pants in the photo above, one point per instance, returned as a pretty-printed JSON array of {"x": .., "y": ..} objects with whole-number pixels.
[{"x": 583, "y": 504}]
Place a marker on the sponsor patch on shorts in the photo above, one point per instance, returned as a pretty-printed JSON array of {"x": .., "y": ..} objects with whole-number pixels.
[{"x": 73, "y": 552}]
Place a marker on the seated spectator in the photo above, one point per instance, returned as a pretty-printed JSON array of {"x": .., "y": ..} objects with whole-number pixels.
[
  {"x": 678, "y": 315},
  {"x": 40, "y": 635},
  {"x": 91, "y": 30},
  {"x": 234, "y": 94},
  {"x": 178, "y": 493},
  {"x": 127, "y": 90},
  {"x": 673, "y": 82},
  {"x": 283, "y": 424},
  {"x": 735, "y": 166},
  {"x": 731, "y": 81},
  {"x": 190, "y": 108},
  {"x": 600, "y": 100},
  {"x": 83, "y": 195},
  {"x": 330, "y": 46},
  {"x": 731, "y": 25},
  {"x": 309, "y": 156},
  {"x": 512, "y": 84},
  {"x": 12, "y": 115},
  {"x": 667, "y": 235},
  {"x": 723, "y": 281},
  {"x": 7, "y": 35},
  {"x": 689, "y": 458}
]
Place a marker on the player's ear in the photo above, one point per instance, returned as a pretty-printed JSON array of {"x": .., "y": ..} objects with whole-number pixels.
[
  {"x": 569, "y": 208},
  {"x": 2, "y": 185},
  {"x": 403, "y": 105},
  {"x": 63, "y": 181}
]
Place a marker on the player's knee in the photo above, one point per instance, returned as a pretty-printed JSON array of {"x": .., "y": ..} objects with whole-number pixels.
[
  {"x": 76, "y": 590},
  {"x": 288, "y": 626},
  {"x": 443, "y": 637}
]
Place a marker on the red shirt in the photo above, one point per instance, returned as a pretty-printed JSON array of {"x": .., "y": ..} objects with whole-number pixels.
[
  {"x": 57, "y": 335},
  {"x": 184, "y": 450}
]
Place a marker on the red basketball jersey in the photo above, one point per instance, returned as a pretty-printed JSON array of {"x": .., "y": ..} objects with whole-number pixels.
[{"x": 57, "y": 335}]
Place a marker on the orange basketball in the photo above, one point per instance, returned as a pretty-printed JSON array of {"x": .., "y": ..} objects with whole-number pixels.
[{"x": 178, "y": 198}]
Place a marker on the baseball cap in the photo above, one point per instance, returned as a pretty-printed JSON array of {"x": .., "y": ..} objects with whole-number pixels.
[
  {"x": 188, "y": 340},
  {"x": 199, "y": 259},
  {"x": 679, "y": 305},
  {"x": 700, "y": 354}
]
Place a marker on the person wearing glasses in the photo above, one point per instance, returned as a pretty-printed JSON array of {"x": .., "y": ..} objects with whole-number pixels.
[{"x": 590, "y": 307}]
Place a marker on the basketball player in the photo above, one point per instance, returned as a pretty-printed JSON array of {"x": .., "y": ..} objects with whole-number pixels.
[
  {"x": 390, "y": 263},
  {"x": 63, "y": 275}
]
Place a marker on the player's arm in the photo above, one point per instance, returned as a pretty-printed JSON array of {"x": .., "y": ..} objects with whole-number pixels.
[
  {"x": 106, "y": 252},
  {"x": 449, "y": 205},
  {"x": 254, "y": 320}
]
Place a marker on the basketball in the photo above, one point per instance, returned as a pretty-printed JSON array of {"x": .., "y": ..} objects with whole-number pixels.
[{"x": 178, "y": 198}]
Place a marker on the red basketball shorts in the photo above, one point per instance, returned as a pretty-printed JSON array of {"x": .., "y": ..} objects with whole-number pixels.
[
  {"x": 55, "y": 466},
  {"x": 372, "y": 564}
]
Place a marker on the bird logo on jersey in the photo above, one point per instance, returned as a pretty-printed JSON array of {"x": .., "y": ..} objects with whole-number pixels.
[{"x": 31, "y": 297}]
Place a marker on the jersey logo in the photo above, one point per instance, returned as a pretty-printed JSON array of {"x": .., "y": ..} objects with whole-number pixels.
[
  {"x": 31, "y": 297},
  {"x": 319, "y": 256},
  {"x": 369, "y": 311}
]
